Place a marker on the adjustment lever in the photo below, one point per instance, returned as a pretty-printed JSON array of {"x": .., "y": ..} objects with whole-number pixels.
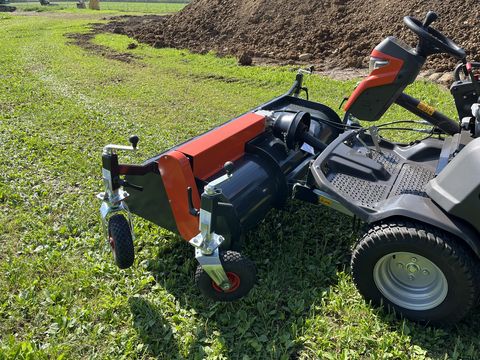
[
  {"x": 125, "y": 183},
  {"x": 229, "y": 167},
  {"x": 375, "y": 138},
  {"x": 111, "y": 148},
  {"x": 134, "y": 139}
]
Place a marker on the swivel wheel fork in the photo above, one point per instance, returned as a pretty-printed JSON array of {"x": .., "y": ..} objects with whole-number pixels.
[{"x": 207, "y": 242}]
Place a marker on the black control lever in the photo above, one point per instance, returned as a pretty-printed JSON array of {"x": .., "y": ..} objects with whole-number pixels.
[
  {"x": 125, "y": 183},
  {"x": 134, "y": 139},
  {"x": 229, "y": 167},
  {"x": 430, "y": 18},
  {"x": 191, "y": 209}
]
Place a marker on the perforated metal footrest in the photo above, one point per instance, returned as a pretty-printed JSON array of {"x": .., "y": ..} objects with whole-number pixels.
[{"x": 352, "y": 187}]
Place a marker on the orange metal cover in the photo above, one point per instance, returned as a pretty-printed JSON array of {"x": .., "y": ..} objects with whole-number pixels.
[
  {"x": 177, "y": 176},
  {"x": 210, "y": 151},
  {"x": 383, "y": 76}
]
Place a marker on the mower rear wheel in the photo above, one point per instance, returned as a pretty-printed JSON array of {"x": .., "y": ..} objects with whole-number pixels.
[
  {"x": 121, "y": 242},
  {"x": 418, "y": 271},
  {"x": 241, "y": 272}
]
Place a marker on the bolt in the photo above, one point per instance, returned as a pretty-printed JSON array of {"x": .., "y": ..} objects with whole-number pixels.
[
  {"x": 225, "y": 286},
  {"x": 411, "y": 277},
  {"x": 426, "y": 272},
  {"x": 412, "y": 268},
  {"x": 414, "y": 259}
]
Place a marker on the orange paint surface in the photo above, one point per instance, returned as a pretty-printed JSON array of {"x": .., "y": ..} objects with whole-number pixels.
[
  {"x": 378, "y": 77},
  {"x": 210, "y": 151},
  {"x": 177, "y": 176}
]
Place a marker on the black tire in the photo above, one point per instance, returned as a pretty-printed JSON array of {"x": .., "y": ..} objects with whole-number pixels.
[
  {"x": 121, "y": 242},
  {"x": 240, "y": 270},
  {"x": 422, "y": 295}
]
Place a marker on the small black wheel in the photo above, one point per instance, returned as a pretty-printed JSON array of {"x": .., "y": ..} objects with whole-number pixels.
[
  {"x": 418, "y": 271},
  {"x": 121, "y": 242},
  {"x": 241, "y": 272}
]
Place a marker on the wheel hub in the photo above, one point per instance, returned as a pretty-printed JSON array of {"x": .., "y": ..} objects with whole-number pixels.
[
  {"x": 410, "y": 281},
  {"x": 234, "y": 283},
  {"x": 111, "y": 241},
  {"x": 413, "y": 268}
]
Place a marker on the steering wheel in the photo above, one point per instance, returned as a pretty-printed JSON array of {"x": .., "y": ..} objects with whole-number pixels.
[{"x": 431, "y": 40}]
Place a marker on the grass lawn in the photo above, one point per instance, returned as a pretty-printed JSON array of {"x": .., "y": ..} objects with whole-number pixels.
[
  {"x": 105, "y": 6},
  {"x": 61, "y": 295}
]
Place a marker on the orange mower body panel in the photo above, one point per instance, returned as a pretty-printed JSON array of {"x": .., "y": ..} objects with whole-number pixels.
[{"x": 200, "y": 159}]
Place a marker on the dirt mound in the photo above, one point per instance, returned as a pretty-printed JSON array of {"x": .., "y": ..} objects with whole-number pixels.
[{"x": 335, "y": 33}]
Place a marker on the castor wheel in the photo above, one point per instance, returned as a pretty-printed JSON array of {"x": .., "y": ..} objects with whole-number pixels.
[
  {"x": 241, "y": 272},
  {"x": 418, "y": 271},
  {"x": 121, "y": 242}
]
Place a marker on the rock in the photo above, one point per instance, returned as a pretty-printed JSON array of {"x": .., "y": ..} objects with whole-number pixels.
[
  {"x": 291, "y": 55},
  {"x": 118, "y": 30},
  {"x": 305, "y": 57},
  {"x": 426, "y": 73},
  {"x": 132, "y": 46},
  {"x": 245, "y": 59},
  {"x": 435, "y": 76},
  {"x": 446, "y": 79}
]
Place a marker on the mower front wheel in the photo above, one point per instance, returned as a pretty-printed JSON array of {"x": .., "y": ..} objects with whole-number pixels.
[
  {"x": 241, "y": 272},
  {"x": 418, "y": 271},
  {"x": 121, "y": 242}
]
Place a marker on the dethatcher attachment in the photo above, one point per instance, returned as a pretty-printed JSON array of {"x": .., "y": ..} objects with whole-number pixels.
[{"x": 420, "y": 253}]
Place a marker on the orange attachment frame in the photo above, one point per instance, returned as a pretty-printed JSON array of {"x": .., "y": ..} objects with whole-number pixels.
[
  {"x": 210, "y": 151},
  {"x": 177, "y": 176},
  {"x": 201, "y": 158}
]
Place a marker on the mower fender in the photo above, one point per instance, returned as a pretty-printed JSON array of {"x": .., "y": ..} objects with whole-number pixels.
[{"x": 426, "y": 211}]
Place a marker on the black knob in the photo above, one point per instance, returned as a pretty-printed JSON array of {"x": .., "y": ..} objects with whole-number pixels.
[
  {"x": 229, "y": 167},
  {"x": 134, "y": 139},
  {"x": 430, "y": 18}
]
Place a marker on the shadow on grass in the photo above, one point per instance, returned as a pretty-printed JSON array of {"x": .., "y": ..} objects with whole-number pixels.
[
  {"x": 298, "y": 252},
  {"x": 153, "y": 329},
  {"x": 459, "y": 340}
]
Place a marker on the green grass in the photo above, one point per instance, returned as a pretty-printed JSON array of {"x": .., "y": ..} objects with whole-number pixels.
[
  {"x": 61, "y": 296},
  {"x": 105, "y": 6}
]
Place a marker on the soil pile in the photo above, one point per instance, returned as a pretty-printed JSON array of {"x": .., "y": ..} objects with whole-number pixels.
[{"x": 335, "y": 33}]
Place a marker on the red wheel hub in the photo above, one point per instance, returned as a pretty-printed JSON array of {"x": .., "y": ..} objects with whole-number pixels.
[
  {"x": 111, "y": 241},
  {"x": 234, "y": 283}
]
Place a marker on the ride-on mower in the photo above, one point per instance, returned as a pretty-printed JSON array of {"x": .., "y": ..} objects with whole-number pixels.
[{"x": 420, "y": 253}]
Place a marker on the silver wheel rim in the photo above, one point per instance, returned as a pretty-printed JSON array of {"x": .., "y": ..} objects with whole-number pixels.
[{"x": 410, "y": 281}]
